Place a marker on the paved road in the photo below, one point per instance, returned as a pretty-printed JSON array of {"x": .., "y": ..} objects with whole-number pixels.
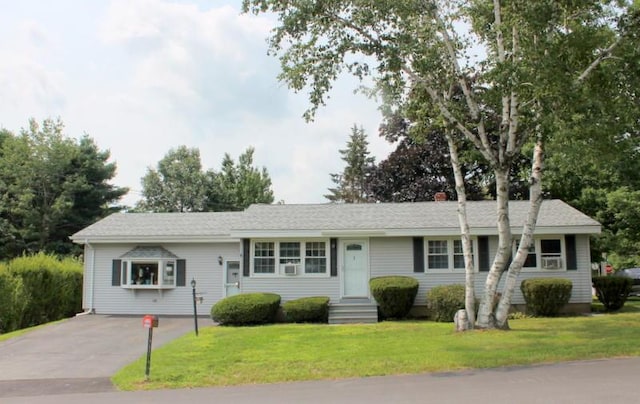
[
  {"x": 79, "y": 354},
  {"x": 606, "y": 381}
]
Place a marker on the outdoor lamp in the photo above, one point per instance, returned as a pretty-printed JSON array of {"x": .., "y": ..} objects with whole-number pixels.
[
  {"x": 220, "y": 259},
  {"x": 195, "y": 310}
]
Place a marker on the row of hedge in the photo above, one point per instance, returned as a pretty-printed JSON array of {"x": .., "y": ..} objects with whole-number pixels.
[
  {"x": 262, "y": 308},
  {"x": 38, "y": 289},
  {"x": 395, "y": 296}
]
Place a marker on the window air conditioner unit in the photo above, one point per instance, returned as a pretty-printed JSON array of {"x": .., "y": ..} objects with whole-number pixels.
[
  {"x": 551, "y": 262},
  {"x": 290, "y": 269}
]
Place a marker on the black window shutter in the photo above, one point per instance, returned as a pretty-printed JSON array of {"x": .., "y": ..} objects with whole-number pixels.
[
  {"x": 418, "y": 254},
  {"x": 115, "y": 272},
  {"x": 246, "y": 257},
  {"x": 483, "y": 253},
  {"x": 181, "y": 276},
  {"x": 333, "y": 245},
  {"x": 572, "y": 258}
]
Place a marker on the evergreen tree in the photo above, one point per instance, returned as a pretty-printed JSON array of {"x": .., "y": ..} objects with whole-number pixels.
[
  {"x": 351, "y": 184},
  {"x": 51, "y": 186}
]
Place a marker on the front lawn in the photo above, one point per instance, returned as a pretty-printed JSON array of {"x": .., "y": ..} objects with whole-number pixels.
[{"x": 223, "y": 356}]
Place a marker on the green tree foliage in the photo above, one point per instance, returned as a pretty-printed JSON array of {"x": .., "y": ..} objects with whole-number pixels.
[
  {"x": 420, "y": 166},
  {"x": 50, "y": 187},
  {"x": 239, "y": 185},
  {"x": 537, "y": 61},
  {"x": 177, "y": 185},
  {"x": 351, "y": 184},
  {"x": 180, "y": 184}
]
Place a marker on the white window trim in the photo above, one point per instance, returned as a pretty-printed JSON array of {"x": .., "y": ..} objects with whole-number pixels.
[
  {"x": 538, "y": 250},
  {"x": 125, "y": 275},
  {"x": 450, "y": 269},
  {"x": 279, "y": 271}
]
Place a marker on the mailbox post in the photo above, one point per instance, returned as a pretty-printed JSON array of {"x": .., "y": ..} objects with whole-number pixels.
[{"x": 149, "y": 322}]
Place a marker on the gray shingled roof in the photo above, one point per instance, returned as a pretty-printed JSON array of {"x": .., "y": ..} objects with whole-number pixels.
[
  {"x": 128, "y": 226},
  {"x": 418, "y": 215},
  {"x": 260, "y": 219}
]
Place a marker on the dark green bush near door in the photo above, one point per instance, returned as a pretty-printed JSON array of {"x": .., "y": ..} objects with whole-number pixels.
[
  {"x": 612, "y": 291},
  {"x": 394, "y": 295},
  {"x": 246, "y": 309},
  {"x": 307, "y": 310},
  {"x": 546, "y": 296}
]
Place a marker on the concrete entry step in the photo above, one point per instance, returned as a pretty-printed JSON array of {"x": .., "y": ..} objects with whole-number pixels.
[{"x": 353, "y": 311}]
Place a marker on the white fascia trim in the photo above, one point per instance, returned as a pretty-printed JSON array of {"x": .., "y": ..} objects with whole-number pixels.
[
  {"x": 157, "y": 239},
  {"x": 277, "y": 234}
]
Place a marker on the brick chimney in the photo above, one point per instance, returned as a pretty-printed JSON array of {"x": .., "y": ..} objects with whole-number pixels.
[{"x": 440, "y": 197}]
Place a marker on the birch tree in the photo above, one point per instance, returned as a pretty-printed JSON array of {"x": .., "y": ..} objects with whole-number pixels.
[{"x": 516, "y": 63}]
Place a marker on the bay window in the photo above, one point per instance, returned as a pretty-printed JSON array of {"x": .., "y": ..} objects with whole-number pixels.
[{"x": 148, "y": 268}]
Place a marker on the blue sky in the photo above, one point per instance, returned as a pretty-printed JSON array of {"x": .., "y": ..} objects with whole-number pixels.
[{"x": 142, "y": 77}]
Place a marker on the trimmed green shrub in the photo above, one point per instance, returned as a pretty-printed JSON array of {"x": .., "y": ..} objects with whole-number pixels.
[
  {"x": 307, "y": 310},
  {"x": 53, "y": 287},
  {"x": 612, "y": 291},
  {"x": 13, "y": 300},
  {"x": 394, "y": 295},
  {"x": 444, "y": 301},
  {"x": 546, "y": 296},
  {"x": 246, "y": 309}
]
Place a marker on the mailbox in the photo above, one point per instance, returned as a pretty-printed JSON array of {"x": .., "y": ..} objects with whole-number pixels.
[{"x": 150, "y": 321}]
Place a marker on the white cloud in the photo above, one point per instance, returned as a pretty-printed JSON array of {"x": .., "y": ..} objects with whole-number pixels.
[{"x": 146, "y": 76}]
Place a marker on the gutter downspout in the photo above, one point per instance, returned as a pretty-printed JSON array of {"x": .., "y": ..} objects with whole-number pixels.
[{"x": 92, "y": 270}]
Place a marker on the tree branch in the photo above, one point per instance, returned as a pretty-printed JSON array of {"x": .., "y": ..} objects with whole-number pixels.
[{"x": 602, "y": 56}]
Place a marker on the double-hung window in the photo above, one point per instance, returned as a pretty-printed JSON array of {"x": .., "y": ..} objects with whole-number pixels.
[
  {"x": 264, "y": 261},
  {"x": 544, "y": 253},
  {"x": 290, "y": 258},
  {"x": 315, "y": 257},
  {"x": 551, "y": 254},
  {"x": 445, "y": 254}
]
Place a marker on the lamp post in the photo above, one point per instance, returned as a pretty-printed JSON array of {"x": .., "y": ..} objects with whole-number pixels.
[{"x": 195, "y": 310}]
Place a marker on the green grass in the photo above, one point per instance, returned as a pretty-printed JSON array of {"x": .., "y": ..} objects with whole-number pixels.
[{"x": 223, "y": 356}]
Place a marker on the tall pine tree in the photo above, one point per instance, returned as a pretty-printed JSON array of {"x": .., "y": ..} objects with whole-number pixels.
[{"x": 351, "y": 183}]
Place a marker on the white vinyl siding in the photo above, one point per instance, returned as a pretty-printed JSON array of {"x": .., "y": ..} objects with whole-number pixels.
[
  {"x": 394, "y": 256},
  {"x": 201, "y": 265}
]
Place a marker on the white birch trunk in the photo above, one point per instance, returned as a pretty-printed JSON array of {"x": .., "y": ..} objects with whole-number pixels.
[
  {"x": 535, "y": 200},
  {"x": 469, "y": 296},
  {"x": 486, "y": 318}
]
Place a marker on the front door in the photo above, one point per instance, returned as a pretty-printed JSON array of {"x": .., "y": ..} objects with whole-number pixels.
[
  {"x": 232, "y": 278},
  {"x": 356, "y": 268}
]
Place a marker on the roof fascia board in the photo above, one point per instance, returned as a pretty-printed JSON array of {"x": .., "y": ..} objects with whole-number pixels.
[{"x": 155, "y": 239}]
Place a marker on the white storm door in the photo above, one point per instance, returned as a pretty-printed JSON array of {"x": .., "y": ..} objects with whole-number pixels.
[
  {"x": 355, "y": 268},
  {"x": 232, "y": 278}
]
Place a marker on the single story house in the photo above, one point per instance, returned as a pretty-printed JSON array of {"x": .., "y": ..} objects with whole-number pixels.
[{"x": 139, "y": 263}]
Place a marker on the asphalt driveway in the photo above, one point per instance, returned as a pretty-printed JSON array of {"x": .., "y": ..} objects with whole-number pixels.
[{"x": 79, "y": 354}]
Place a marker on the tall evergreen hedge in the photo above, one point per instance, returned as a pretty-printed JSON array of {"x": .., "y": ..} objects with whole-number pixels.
[{"x": 51, "y": 288}]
